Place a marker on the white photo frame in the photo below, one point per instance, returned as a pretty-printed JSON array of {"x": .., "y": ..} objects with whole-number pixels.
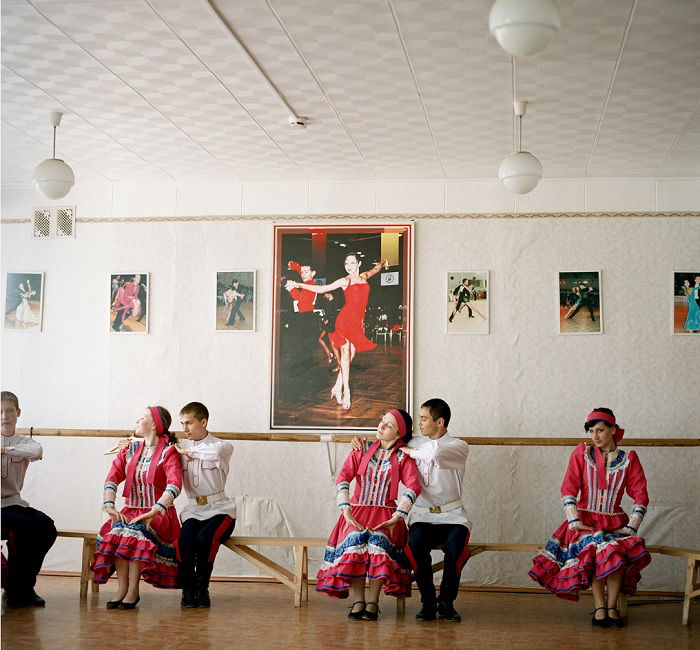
[
  {"x": 24, "y": 301},
  {"x": 685, "y": 308},
  {"x": 467, "y": 302},
  {"x": 235, "y": 300},
  {"x": 129, "y": 303},
  {"x": 580, "y": 299}
]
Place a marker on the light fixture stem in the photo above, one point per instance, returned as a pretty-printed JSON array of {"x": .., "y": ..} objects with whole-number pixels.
[
  {"x": 520, "y": 133},
  {"x": 54, "y": 142}
]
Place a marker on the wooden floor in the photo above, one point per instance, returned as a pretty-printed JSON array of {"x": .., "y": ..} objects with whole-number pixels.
[{"x": 261, "y": 616}]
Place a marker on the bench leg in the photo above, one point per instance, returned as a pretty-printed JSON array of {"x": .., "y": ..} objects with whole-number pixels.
[
  {"x": 400, "y": 606},
  {"x": 85, "y": 572},
  {"x": 692, "y": 577},
  {"x": 622, "y": 605},
  {"x": 305, "y": 592},
  {"x": 301, "y": 583}
]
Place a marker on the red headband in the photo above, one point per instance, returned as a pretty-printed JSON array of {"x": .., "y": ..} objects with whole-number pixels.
[
  {"x": 157, "y": 420},
  {"x": 401, "y": 423},
  {"x": 610, "y": 419}
]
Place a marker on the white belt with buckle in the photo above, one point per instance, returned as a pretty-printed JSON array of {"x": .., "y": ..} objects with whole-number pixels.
[
  {"x": 212, "y": 498},
  {"x": 436, "y": 510}
]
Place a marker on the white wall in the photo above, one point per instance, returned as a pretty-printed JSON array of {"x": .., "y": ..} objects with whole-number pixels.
[{"x": 521, "y": 380}]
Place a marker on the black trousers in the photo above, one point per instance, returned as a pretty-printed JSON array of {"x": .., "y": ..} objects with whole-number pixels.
[
  {"x": 590, "y": 310},
  {"x": 199, "y": 542},
  {"x": 235, "y": 309},
  {"x": 452, "y": 539},
  {"x": 29, "y": 534}
]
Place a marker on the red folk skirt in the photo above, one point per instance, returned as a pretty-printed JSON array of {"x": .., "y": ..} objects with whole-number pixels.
[
  {"x": 356, "y": 554},
  {"x": 572, "y": 559},
  {"x": 156, "y": 548}
]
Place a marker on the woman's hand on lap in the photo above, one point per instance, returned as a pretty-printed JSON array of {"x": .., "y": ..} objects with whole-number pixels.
[{"x": 388, "y": 524}]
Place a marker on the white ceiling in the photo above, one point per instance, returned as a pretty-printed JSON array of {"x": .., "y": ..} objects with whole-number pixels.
[{"x": 160, "y": 91}]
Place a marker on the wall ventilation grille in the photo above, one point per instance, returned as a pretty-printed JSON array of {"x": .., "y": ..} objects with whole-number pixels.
[
  {"x": 53, "y": 223},
  {"x": 41, "y": 222}
]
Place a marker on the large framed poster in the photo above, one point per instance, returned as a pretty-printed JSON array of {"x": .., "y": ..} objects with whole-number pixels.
[{"x": 342, "y": 325}]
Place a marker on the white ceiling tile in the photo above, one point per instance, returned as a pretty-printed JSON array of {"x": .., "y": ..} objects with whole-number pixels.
[{"x": 160, "y": 92}]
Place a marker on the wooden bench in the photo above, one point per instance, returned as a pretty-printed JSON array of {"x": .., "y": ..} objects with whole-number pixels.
[
  {"x": 89, "y": 538},
  {"x": 298, "y": 581}
]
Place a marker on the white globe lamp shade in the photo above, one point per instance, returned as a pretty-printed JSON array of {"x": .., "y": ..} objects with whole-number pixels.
[
  {"x": 520, "y": 172},
  {"x": 524, "y": 27},
  {"x": 53, "y": 179}
]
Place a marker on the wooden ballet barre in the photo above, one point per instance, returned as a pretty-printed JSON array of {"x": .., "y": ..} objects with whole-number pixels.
[{"x": 347, "y": 437}]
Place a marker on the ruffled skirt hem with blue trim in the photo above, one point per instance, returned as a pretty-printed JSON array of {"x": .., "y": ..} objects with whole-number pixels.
[
  {"x": 572, "y": 559},
  {"x": 155, "y": 548},
  {"x": 353, "y": 554}
]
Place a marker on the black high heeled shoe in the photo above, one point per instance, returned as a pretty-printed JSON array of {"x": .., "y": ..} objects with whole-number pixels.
[
  {"x": 357, "y": 616},
  {"x": 615, "y": 622},
  {"x": 600, "y": 622},
  {"x": 124, "y": 605},
  {"x": 113, "y": 604}
]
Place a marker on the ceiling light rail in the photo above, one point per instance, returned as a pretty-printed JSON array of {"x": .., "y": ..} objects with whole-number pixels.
[{"x": 295, "y": 121}]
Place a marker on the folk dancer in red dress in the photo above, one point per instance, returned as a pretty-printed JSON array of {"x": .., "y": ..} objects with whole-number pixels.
[
  {"x": 348, "y": 337},
  {"x": 141, "y": 539},
  {"x": 371, "y": 531},
  {"x": 598, "y": 545}
]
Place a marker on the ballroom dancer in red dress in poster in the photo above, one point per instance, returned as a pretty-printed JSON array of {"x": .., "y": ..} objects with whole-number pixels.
[{"x": 349, "y": 336}]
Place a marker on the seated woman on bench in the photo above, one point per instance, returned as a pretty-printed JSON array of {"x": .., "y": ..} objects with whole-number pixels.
[
  {"x": 598, "y": 546},
  {"x": 371, "y": 530},
  {"x": 141, "y": 539}
]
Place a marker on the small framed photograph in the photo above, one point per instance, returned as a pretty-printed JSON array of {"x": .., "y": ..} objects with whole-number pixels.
[
  {"x": 24, "y": 299},
  {"x": 686, "y": 302},
  {"x": 468, "y": 294},
  {"x": 235, "y": 301},
  {"x": 128, "y": 303},
  {"x": 580, "y": 304}
]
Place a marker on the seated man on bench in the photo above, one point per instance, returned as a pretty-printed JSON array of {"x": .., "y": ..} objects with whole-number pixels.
[
  {"x": 209, "y": 518},
  {"x": 29, "y": 533},
  {"x": 437, "y": 519}
]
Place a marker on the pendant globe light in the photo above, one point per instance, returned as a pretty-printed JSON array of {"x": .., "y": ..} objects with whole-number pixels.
[
  {"x": 520, "y": 171},
  {"x": 53, "y": 178},
  {"x": 524, "y": 27}
]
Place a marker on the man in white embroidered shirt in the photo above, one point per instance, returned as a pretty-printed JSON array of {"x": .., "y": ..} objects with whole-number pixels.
[
  {"x": 210, "y": 516},
  {"x": 29, "y": 533},
  {"x": 438, "y": 519}
]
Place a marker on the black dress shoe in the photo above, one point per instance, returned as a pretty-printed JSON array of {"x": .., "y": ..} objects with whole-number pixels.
[
  {"x": 371, "y": 616},
  {"x": 113, "y": 604},
  {"x": 202, "y": 592},
  {"x": 599, "y": 622},
  {"x": 448, "y": 612},
  {"x": 124, "y": 605},
  {"x": 26, "y": 599},
  {"x": 189, "y": 598},
  {"x": 357, "y": 616},
  {"x": 615, "y": 622},
  {"x": 426, "y": 613}
]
